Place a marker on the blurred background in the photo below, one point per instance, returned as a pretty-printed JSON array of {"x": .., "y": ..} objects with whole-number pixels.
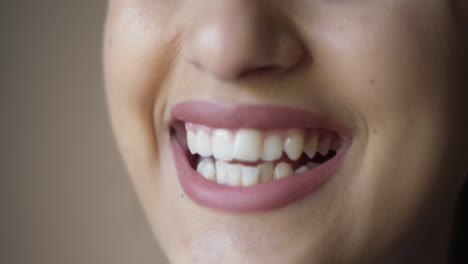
[{"x": 64, "y": 193}]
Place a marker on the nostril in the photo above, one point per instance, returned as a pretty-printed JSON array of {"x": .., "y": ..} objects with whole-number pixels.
[{"x": 270, "y": 69}]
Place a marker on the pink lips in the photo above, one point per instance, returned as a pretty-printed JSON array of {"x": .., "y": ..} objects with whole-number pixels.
[{"x": 261, "y": 197}]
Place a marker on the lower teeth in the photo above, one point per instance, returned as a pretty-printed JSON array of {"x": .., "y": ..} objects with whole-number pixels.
[{"x": 243, "y": 175}]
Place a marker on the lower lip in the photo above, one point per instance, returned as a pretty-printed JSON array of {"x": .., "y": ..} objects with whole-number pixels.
[{"x": 261, "y": 197}]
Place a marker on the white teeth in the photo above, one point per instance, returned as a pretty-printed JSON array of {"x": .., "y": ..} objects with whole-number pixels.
[
  {"x": 221, "y": 172},
  {"x": 294, "y": 145},
  {"x": 250, "y": 175},
  {"x": 207, "y": 169},
  {"x": 251, "y": 145},
  {"x": 300, "y": 170},
  {"x": 272, "y": 148},
  {"x": 282, "y": 170},
  {"x": 234, "y": 174},
  {"x": 324, "y": 145},
  {"x": 266, "y": 171},
  {"x": 222, "y": 144},
  {"x": 311, "y": 145},
  {"x": 310, "y": 165},
  {"x": 247, "y": 145},
  {"x": 191, "y": 139},
  {"x": 241, "y": 175},
  {"x": 203, "y": 143}
]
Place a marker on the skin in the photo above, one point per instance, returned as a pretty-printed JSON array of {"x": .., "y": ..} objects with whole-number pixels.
[{"x": 390, "y": 70}]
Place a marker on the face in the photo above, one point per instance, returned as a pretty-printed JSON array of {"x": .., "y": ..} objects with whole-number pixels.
[{"x": 291, "y": 131}]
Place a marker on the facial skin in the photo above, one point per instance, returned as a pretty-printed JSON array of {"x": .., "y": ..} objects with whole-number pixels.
[{"x": 391, "y": 71}]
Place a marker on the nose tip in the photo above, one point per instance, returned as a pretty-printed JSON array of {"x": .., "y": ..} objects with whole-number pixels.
[{"x": 240, "y": 38}]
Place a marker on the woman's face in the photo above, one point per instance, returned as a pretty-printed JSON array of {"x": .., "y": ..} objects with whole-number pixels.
[{"x": 256, "y": 84}]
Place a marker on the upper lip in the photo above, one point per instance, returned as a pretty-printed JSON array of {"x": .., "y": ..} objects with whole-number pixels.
[{"x": 262, "y": 116}]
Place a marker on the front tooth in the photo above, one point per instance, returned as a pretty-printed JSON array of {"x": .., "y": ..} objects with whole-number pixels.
[
  {"x": 207, "y": 169},
  {"x": 272, "y": 148},
  {"x": 247, "y": 145},
  {"x": 222, "y": 144},
  {"x": 191, "y": 139},
  {"x": 302, "y": 169},
  {"x": 282, "y": 170},
  {"x": 294, "y": 145},
  {"x": 234, "y": 174},
  {"x": 203, "y": 143},
  {"x": 324, "y": 145},
  {"x": 250, "y": 175},
  {"x": 221, "y": 172},
  {"x": 311, "y": 145},
  {"x": 266, "y": 171}
]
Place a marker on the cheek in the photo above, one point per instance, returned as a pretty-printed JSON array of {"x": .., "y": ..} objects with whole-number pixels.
[
  {"x": 391, "y": 69},
  {"x": 401, "y": 79},
  {"x": 136, "y": 56}
]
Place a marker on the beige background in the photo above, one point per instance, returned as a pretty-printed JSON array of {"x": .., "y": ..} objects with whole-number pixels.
[{"x": 64, "y": 194}]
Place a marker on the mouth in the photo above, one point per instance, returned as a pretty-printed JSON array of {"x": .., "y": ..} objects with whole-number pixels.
[{"x": 250, "y": 158}]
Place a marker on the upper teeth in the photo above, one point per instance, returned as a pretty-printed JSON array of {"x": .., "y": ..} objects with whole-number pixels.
[{"x": 251, "y": 145}]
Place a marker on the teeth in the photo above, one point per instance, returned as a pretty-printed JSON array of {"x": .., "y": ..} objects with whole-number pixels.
[
  {"x": 222, "y": 144},
  {"x": 247, "y": 145},
  {"x": 207, "y": 169},
  {"x": 300, "y": 170},
  {"x": 272, "y": 148},
  {"x": 282, "y": 170},
  {"x": 251, "y": 145},
  {"x": 221, "y": 172},
  {"x": 310, "y": 165},
  {"x": 311, "y": 145},
  {"x": 191, "y": 139},
  {"x": 241, "y": 175},
  {"x": 203, "y": 143},
  {"x": 266, "y": 171},
  {"x": 250, "y": 175},
  {"x": 234, "y": 174},
  {"x": 294, "y": 145},
  {"x": 324, "y": 145}
]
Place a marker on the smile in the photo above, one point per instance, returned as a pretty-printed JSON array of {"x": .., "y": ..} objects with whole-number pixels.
[{"x": 253, "y": 157}]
